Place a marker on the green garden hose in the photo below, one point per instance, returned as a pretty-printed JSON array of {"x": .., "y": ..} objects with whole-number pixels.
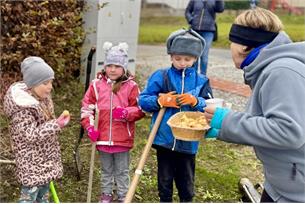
[{"x": 54, "y": 194}]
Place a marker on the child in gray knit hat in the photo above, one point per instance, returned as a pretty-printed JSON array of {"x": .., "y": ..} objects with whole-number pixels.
[
  {"x": 178, "y": 88},
  {"x": 34, "y": 130},
  {"x": 116, "y": 94}
]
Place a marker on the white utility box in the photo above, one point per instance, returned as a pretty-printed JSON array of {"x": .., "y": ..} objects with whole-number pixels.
[{"x": 114, "y": 21}]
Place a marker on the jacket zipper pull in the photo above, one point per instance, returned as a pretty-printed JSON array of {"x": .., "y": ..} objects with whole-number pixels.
[{"x": 294, "y": 171}]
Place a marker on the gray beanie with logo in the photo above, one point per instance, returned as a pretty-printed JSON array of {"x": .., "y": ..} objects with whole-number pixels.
[
  {"x": 35, "y": 71},
  {"x": 185, "y": 42}
]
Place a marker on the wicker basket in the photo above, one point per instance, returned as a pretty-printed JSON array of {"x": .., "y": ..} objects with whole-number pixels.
[{"x": 185, "y": 133}]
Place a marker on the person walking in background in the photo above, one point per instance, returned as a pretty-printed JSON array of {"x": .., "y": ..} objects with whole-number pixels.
[
  {"x": 115, "y": 94},
  {"x": 273, "y": 123},
  {"x": 34, "y": 130},
  {"x": 200, "y": 15},
  {"x": 176, "y": 158},
  {"x": 253, "y": 3}
]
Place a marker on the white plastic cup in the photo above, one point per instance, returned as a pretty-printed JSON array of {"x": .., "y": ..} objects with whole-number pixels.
[{"x": 214, "y": 102}]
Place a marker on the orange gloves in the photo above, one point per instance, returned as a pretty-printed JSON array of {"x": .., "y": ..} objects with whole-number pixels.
[
  {"x": 176, "y": 100},
  {"x": 168, "y": 100},
  {"x": 186, "y": 99}
]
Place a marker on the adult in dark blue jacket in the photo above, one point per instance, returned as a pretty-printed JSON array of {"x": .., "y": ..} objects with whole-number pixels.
[
  {"x": 176, "y": 158},
  {"x": 200, "y": 15}
]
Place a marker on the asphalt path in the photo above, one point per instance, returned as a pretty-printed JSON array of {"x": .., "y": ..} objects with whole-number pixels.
[{"x": 220, "y": 65}]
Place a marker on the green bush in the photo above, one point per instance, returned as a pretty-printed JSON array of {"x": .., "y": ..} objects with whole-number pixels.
[
  {"x": 49, "y": 29},
  {"x": 237, "y": 5}
]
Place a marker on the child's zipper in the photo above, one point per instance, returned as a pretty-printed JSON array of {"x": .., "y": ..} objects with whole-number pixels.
[
  {"x": 182, "y": 91},
  {"x": 111, "y": 100}
]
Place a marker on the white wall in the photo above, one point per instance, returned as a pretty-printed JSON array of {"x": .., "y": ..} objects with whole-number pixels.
[{"x": 118, "y": 21}]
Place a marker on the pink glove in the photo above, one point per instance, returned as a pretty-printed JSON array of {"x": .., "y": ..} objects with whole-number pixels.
[
  {"x": 92, "y": 133},
  {"x": 119, "y": 113},
  {"x": 63, "y": 120}
]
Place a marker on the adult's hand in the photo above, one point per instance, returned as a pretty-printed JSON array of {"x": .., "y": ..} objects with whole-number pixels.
[{"x": 209, "y": 113}]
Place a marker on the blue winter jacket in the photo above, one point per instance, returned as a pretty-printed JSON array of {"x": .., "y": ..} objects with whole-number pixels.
[
  {"x": 171, "y": 79},
  {"x": 200, "y": 14}
]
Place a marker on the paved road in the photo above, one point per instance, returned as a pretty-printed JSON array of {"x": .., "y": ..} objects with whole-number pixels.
[
  {"x": 226, "y": 81},
  {"x": 220, "y": 63}
]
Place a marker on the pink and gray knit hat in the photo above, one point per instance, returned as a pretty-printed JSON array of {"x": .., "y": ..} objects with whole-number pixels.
[{"x": 116, "y": 55}]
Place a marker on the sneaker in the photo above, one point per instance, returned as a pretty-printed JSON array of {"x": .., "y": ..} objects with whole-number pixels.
[
  {"x": 106, "y": 198},
  {"x": 121, "y": 200}
]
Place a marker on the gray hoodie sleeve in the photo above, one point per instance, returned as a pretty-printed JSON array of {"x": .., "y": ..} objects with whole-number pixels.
[{"x": 279, "y": 122}]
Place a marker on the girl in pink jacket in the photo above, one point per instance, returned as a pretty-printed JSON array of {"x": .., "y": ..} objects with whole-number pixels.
[{"x": 115, "y": 94}]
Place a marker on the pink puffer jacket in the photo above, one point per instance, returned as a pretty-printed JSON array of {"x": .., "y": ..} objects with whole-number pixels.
[{"x": 112, "y": 132}]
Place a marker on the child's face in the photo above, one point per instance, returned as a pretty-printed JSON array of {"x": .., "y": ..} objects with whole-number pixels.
[
  {"x": 114, "y": 72},
  {"x": 44, "y": 89},
  {"x": 183, "y": 61}
]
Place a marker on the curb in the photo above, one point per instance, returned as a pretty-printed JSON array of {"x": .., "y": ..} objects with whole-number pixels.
[{"x": 231, "y": 87}]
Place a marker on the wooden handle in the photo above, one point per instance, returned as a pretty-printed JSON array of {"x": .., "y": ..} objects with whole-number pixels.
[
  {"x": 138, "y": 172},
  {"x": 89, "y": 191}
]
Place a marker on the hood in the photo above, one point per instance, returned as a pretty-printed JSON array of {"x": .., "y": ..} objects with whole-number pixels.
[
  {"x": 18, "y": 97},
  {"x": 280, "y": 47}
]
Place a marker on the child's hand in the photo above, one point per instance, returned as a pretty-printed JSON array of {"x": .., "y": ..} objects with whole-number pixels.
[
  {"x": 119, "y": 113},
  {"x": 186, "y": 99},
  {"x": 92, "y": 134},
  {"x": 168, "y": 100},
  {"x": 63, "y": 119}
]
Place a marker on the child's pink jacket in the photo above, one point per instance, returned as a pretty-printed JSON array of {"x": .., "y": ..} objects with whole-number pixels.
[{"x": 112, "y": 132}]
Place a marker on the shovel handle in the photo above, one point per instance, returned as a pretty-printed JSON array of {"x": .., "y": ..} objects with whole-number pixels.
[
  {"x": 89, "y": 191},
  {"x": 93, "y": 149},
  {"x": 138, "y": 172}
]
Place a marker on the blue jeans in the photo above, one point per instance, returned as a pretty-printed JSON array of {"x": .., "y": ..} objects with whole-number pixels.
[
  {"x": 36, "y": 194},
  {"x": 115, "y": 168},
  {"x": 208, "y": 37},
  {"x": 178, "y": 167}
]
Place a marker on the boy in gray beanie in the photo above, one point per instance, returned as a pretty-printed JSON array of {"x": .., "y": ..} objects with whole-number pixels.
[
  {"x": 176, "y": 158},
  {"x": 34, "y": 130}
]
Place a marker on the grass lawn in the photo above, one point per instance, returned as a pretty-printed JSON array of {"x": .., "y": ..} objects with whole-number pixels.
[
  {"x": 155, "y": 30},
  {"x": 219, "y": 165}
]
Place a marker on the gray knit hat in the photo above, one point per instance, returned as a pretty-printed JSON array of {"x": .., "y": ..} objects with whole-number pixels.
[
  {"x": 116, "y": 55},
  {"x": 35, "y": 71},
  {"x": 185, "y": 42}
]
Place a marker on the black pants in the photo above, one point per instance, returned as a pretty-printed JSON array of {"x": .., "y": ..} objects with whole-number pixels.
[
  {"x": 178, "y": 167},
  {"x": 266, "y": 198}
]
